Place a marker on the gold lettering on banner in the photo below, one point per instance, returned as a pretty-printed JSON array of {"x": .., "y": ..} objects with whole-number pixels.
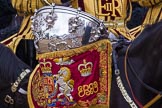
[
  {"x": 110, "y": 8},
  {"x": 87, "y": 90},
  {"x": 107, "y": 7},
  {"x": 116, "y": 8}
]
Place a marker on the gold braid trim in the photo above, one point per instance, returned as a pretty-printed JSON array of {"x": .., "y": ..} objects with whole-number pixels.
[
  {"x": 24, "y": 7},
  {"x": 147, "y": 17},
  {"x": 135, "y": 31},
  {"x": 89, "y": 6},
  {"x": 30, "y": 101},
  {"x": 122, "y": 31},
  {"x": 13, "y": 45},
  {"x": 18, "y": 5},
  {"x": 15, "y": 42},
  {"x": 40, "y": 4},
  {"x": 22, "y": 34},
  {"x": 130, "y": 13},
  {"x": 25, "y": 24},
  {"x": 29, "y": 6},
  {"x": 149, "y": 3},
  {"x": 127, "y": 31},
  {"x": 75, "y": 3},
  {"x": 23, "y": 28},
  {"x": 33, "y": 5},
  {"x": 13, "y": 2},
  {"x": 70, "y": 53},
  {"x": 45, "y": 2},
  {"x": 29, "y": 35},
  {"x": 160, "y": 18},
  {"x": 57, "y": 1},
  {"x": 153, "y": 15}
]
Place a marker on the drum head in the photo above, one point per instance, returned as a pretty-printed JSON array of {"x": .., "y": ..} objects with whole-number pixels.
[{"x": 61, "y": 28}]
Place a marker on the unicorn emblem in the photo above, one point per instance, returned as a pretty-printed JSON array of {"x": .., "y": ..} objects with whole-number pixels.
[{"x": 64, "y": 83}]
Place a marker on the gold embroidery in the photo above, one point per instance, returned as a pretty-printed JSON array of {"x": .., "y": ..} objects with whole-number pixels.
[
  {"x": 43, "y": 87},
  {"x": 87, "y": 90},
  {"x": 110, "y": 9},
  {"x": 85, "y": 68},
  {"x": 45, "y": 66},
  {"x": 99, "y": 88},
  {"x": 103, "y": 78}
]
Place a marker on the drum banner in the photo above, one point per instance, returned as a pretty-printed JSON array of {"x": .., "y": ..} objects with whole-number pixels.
[{"x": 79, "y": 77}]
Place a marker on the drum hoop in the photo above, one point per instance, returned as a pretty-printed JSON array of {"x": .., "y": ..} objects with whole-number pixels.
[
  {"x": 69, "y": 10},
  {"x": 82, "y": 27}
]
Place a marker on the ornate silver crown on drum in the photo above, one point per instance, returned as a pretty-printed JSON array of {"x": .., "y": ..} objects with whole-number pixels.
[{"x": 61, "y": 28}]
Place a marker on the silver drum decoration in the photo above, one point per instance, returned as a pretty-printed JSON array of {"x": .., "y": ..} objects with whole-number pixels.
[{"x": 61, "y": 28}]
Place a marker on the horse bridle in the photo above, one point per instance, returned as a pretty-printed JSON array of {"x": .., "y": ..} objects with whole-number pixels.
[
  {"x": 120, "y": 84},
  {"x": 159, "y": 93},
  {"x": 9, "y": 97},
  {"x": 118, "y": 77}
]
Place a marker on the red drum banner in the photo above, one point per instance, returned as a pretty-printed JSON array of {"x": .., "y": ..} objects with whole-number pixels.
[{"x": 78, "y": 78}]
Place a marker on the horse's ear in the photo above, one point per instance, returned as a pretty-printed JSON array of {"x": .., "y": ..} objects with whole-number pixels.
[{"x": 26, "y": 52}]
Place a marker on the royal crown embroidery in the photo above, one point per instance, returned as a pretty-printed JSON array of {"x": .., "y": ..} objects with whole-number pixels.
[
  {"x": 85, "y": 69},
  {"x": 46, "y": 67}
]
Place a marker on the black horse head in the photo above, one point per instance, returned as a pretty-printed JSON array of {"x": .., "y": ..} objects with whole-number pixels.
[
  {"x": 140, "y": 75},
  {"x": 12, "y": 72}
]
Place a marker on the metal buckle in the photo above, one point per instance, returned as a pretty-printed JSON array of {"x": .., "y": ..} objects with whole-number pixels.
[
  {"x": 117, "y": 72},
  {"x": 8, "y": 99}
]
